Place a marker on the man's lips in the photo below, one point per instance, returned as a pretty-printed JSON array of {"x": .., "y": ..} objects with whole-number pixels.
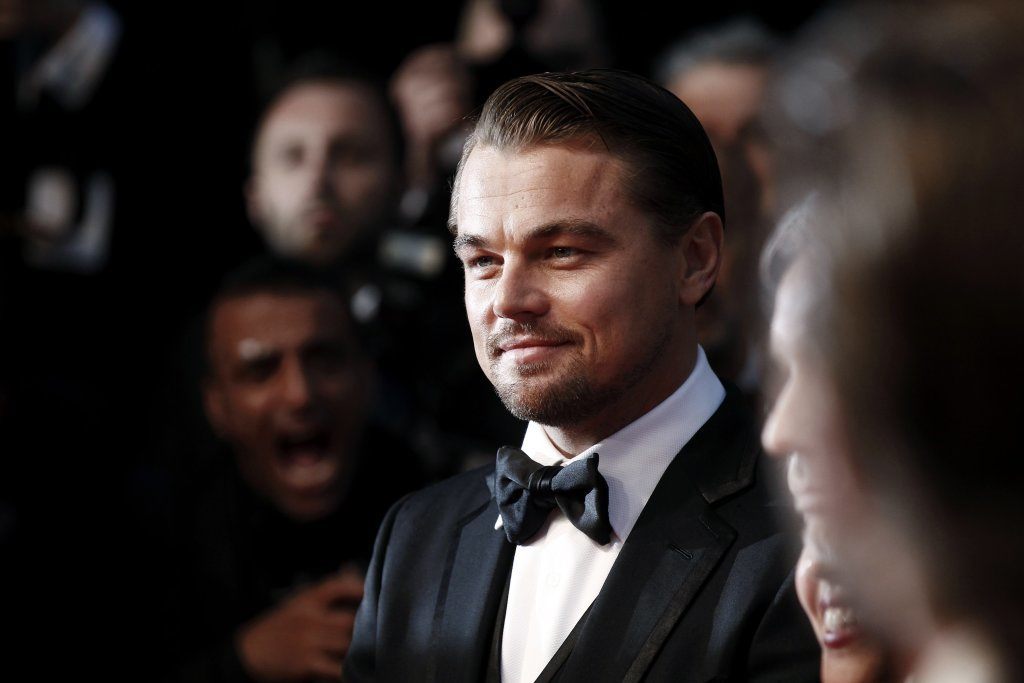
[
  {"x": 528, "y": 343},
  {"x": 838, "y": 618},
  {"x": 529, "y": 349},
  {"x": 809, "y": 502},
  {"x": 307, "y": 460},
  {"x": 324, "y": 217},
  {"x": 808, "y": 495}
]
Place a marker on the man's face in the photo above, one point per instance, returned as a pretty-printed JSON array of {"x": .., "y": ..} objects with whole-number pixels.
[
  {"x": 287, "y": 392},
  {"x": 324, "y": 170},
  {"x": 573, "y": 302}
]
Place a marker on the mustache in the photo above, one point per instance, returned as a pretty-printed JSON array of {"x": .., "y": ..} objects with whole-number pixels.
[
  {"x": 320, "y": 204},
  {"x": 514, "y": 330}
]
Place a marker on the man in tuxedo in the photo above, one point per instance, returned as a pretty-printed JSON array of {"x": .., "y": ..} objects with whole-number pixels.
[{"x": 632, "y": 536}]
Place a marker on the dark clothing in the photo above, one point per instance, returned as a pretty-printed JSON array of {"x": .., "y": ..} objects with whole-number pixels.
[
  {"x": 702, "y": 590},
  {"x": 236, "y": 556}
]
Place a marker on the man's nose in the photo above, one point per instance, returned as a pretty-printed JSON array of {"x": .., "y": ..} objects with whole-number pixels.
[
  {"x": 775, "y": 434},
  {"x": 320, "y": 172},
  {"x": 298, "y": 385},
  {"x": 519, "y": 293}
]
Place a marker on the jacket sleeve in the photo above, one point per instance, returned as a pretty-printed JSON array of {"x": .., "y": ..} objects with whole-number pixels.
[
  {"x": 784, "y": 649},
  {"x": 361, "y": 661}
]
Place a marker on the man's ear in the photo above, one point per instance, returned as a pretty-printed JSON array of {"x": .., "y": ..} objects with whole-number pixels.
[
  {"x": 214, "y": 405},
  {"x": 702, "y": 252}
]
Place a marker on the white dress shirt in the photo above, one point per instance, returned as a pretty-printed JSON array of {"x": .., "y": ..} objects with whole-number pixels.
[{"x": 558, "y": 574}]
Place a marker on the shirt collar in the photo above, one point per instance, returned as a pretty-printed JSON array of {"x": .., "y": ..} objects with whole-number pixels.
[{"x": 634, "y": 459}]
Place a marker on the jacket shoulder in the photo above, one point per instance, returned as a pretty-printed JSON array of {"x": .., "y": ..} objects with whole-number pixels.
[{"x": 450, "y": 499}]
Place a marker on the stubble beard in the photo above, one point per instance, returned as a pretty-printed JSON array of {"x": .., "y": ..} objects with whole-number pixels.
[
  {"x": 559, "y": 401},
  {"x": 539, "y": 393}
]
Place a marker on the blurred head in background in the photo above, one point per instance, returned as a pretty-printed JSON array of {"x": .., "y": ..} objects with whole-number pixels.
[
  {"x": 721, "y": 74},
  {"x": 904, "y": 122},
  {"x": 286, "y": 385},
  {"x": 326, "y": 164}
]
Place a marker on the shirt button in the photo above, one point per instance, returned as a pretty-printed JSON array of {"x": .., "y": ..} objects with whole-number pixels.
[{"x": 552, "y": 580}]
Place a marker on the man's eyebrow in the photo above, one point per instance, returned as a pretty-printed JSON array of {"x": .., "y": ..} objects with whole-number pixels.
[
  {"x": 572, "y": 226},
  {"x": 463, "y": 241}
]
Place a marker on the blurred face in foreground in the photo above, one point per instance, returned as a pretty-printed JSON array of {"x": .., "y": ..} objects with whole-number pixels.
[
  {"x": 805, "y": 427},
  {"x": 287, "y": 391},
  {"x": 805, "y": 424}
]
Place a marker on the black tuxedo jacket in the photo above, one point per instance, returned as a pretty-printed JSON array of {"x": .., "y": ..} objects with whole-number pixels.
[{"x": 702, "y": 589}]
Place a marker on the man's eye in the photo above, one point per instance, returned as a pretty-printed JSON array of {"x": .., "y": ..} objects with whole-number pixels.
[
  {"x": 480, "y": 262},
  {"x": 570, "y": 254},
  {"x": 292, "y": 155},
  {"x": 353, "y": 155},
  {"x": 258, "y": 370}
]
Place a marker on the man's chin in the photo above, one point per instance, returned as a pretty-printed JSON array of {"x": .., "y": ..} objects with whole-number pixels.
[
  {"x": 549, "y": 403},
  {"x": 309, "y": 486},
  {"x": 305, "y": 508}
]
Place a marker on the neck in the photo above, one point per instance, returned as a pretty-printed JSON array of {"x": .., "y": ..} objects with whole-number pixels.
[{"x": 660, "y": 382}]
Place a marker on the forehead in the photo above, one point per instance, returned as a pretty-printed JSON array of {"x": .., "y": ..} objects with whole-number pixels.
[
  {"x": 721, "y": 94},
  {"x": 277, "y": 320},
  {"x": 719, "y": 81},
  {"x": 327, "y": 108},
  {"x": 521, "y": 189}
]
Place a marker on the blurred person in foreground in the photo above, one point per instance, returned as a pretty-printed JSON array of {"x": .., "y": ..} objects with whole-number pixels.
[
  {"x": 806, "y": 428},
  {"x": 904, "y": 122},
  {"x": 271, "y": 544},
  {"x": 633, "y": 534},
  {"x": 722, "y": 73}
]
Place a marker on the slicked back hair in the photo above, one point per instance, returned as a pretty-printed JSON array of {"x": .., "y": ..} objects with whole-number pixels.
[{"x": 674, "y": 174}]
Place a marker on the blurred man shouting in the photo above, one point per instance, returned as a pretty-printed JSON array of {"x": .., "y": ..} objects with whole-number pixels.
[{"x": 272, "y": 539}]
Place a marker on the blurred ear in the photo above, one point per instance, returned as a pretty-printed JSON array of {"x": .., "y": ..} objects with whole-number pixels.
[
  {"x": 702, "y": 252},
  {"x": 214, "y": 405}
]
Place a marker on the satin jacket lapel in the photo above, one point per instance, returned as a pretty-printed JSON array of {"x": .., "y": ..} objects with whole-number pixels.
[
  {"x": 478, "y": 563},
  {"x": 673, "y": 549}
]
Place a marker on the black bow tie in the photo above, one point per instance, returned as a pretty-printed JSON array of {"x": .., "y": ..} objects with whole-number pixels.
[{"x": 527, "y": 491}]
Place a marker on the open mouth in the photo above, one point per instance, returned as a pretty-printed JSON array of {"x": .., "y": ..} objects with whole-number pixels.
[
  {"x": 838, "y": 618},
  {"x": 307, "y": 460},
  {"x": 304, "y": 448}
]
